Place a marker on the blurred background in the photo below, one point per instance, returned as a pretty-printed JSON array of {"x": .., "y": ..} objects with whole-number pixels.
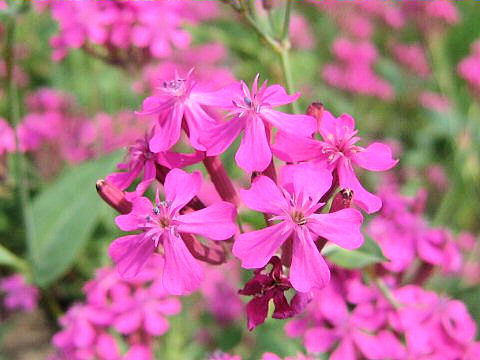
[{"x": 72, "y": 74}]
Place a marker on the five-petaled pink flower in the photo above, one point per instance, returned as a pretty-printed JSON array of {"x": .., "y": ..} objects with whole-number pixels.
[
  {"x": 295, "y": 205},
  {"x": 338, "y": 152},
  {"x": 252, "y": 112},
  {"x": 163, "y": 224},
  {"x": 178, "y": 100}
]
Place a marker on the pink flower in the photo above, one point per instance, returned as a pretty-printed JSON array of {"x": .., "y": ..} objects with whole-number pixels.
[
  {"x": 163, "y": 224},
  {"x": 294, "y": 205},
  {"x": 253, "y": 114},
  {"x": 178, "y": 100},
  {"x": 18, "y": 294},
  {"x": 140, "y": 158},
  {"x": 7, "y": 138},
  {"x": 338, "y": 152},
  {"x": 412, "y": 57}
]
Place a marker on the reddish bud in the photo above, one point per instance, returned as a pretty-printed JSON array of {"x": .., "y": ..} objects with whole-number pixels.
[
  {"x": 316, "y": 110},
  {"x": 267, "y": 4},
  {"x": 342, "y": 200},
  {"x": 113, "y": 196}
]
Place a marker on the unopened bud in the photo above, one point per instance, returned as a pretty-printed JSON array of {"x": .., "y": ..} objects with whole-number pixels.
[
  {"x": 113, "y": 196},
  {"x": 342, "y": 200},
  {"x": 316, "y": 110}
]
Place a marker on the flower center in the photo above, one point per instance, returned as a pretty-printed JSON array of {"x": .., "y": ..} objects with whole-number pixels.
[
  {"x": 298, "y": 217},
  {"x": 175, "y": 87}
]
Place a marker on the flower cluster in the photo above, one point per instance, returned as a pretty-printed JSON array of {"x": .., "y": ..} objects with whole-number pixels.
[
  {"x": 134, "y": 310},
  {"x": 123, "y": 32}
]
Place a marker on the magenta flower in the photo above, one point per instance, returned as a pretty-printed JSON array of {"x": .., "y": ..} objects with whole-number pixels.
[
  {"x": 7, "y": 138},
  {"x": 19, "y": 295},
  {"x": 178, "y": 100},
  {"x": 163, "y": 224},
  {"x": 253, "y": 114},
  {"x": 294, "y": 206},
  {"x": 140, "y": 157},
  {"x": 338, "y": 152}
]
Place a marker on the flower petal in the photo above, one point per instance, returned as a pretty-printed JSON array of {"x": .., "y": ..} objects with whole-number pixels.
[
  {"x": 341, "y": 227},
  {"x": 308, "y": 270},
  {"x": 216, "y": 222},
  {"x": 254, "y": 153},
  {"x": 141, "y": 207},
  {"x": 180, "y": 187},
  {"x": 319, "y": 339},
  {"x": 218, "y": 138},
  {"x": 275, "y": 95},
  {"x": 264, "y": 196},
  {"x": 149, "y": 174},
  {"x": 376, "y": 157},
  {"x": 310, "y": 182},
  {"x": 293, "y": 148},
  {"x": 168, "y": 131},
  {"x": 182, "y": 273},
  {"x": 198, "y": 121},
  {"x": 347, "y": 179},
  {"x": 123, "y": 180},
  {"x": 130, "y": 254},
  {"x": 255, "y": 248},
  {"x": 301, "y": 125}
]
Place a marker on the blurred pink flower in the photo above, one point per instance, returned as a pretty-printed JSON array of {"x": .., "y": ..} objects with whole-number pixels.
[
  {"x": 295, "y": 205},
  {"x": 7, "y": 138},
  {"x": 412, "y": 57},
  {"x": 300, "y": 33},
  {"x": 163, "y": 224},
  {"x": 338, "y": 152},
  {"x": 253, "y": 114},
  {"x": 434, "y": 101},
  {"x": 18, "y": 294}
]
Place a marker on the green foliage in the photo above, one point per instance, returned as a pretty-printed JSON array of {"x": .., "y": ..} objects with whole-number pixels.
[
  {"x": 369, "y": 253},
  {"x": 65, "y": 214}
]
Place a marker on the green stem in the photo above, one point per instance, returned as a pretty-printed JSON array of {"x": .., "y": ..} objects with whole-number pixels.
[
  {"x": 286, "y": 21},
  {"x": 287, "y": 72},
  {"x": 387, "y": 293},
  {"x": 14, "y": 118}
]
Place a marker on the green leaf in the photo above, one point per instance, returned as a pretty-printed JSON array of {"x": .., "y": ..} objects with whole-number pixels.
[
  {"x": 64, "y": 216},
  {"x": 8, "y": 258},
  {"x": 369, "y": 253}
]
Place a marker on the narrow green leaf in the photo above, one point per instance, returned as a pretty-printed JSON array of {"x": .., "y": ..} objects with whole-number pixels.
[
  {"x": 369, "y": 253},
  {"x": 65, "y": 214},
  {"x": 7, "y": 258}
]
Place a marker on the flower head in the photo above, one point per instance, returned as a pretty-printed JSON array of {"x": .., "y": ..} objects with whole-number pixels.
[
  {"x": 294, "y": 205},
  {"x": 19, "y": 295},
  {"x": 252, "y": 112},
  {"x": 337, "y": 151},
  {"x": 163, "y": 224}
]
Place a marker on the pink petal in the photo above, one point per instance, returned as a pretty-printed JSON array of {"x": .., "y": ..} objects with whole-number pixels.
[
  {"x": 217, "y": 139},
  {"x": 347, "y": 178},
  {"x": 376, "y": 157},
  {"x": 154, "y": 323},
  {"x": 308, "y": 270},
  {"x": 141, "y": 207},
  {"x": 345, "y": 350},
  {"x": 255, "y": 248},
  {"x": 198, "y": 121},
  {"x": 173, "y": 160},
  {"x": 275, "y": 95},
  {"x": 264, "y": 196},
  {"x": 301, "y": 125},
  {"x": 319, "y": 339},
  {"x": 149, "y": 174},
  {"x": 130, "y": 254},
  {"x": 155, "y": 105},
  {"x": 341, "y": 227},
  {"x": 181, "y": 187},
  {"x": 168, "y": 132},
  {"x": 328, "y": 125},
  {"x": 129, "y": 321},
  {"x": 221, "y": 98},
  {"x": 123, "y": 180},
  {"x": 309, "y": 182},
  {"x": 254, "y": 153},
  {"x": 182, "y": 273},
  {"x": 216, "y": 222},
  {"x": 293, "y": 148}
]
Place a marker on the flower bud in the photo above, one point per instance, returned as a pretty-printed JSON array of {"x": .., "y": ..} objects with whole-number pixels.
[
  {"x": 113, "y": 196},
  {"x": 342, "y": 200},
  {"x": 316, "y": 110}
]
